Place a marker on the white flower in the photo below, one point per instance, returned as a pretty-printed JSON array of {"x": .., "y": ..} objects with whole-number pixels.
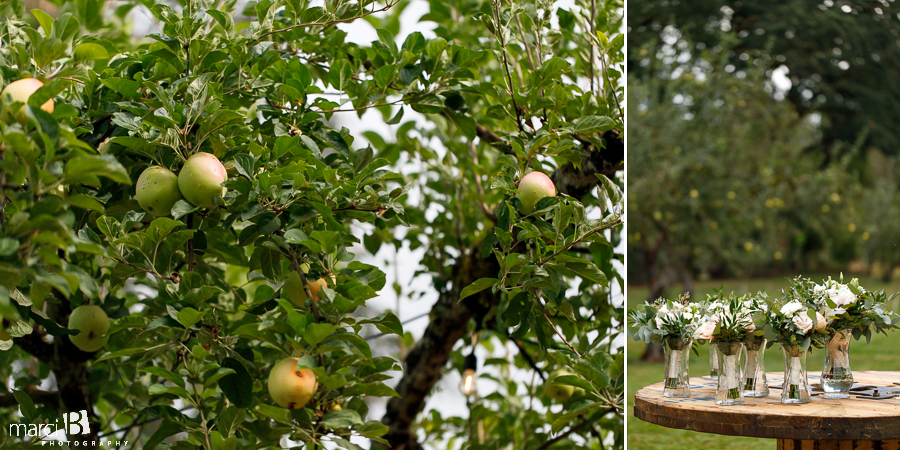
[
  {"x": 750, "y": 326},
  {"x": 791, "y": 308},
  {"x": 803, "y": 322},
  {"x": 705, "y": 331}
]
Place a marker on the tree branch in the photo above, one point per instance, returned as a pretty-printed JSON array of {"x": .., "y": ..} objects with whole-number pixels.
[
  {"x": 573, "y": 429},
  {"x": 425, "y": 362}
]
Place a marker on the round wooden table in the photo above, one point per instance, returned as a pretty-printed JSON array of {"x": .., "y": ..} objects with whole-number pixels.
[{"x": 822, "y": 424}]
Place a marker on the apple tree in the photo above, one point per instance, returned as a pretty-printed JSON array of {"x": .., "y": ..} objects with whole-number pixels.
[{"x": 180, "y": 231}]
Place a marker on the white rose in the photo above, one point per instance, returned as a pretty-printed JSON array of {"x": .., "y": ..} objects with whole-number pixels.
[
  {"x": 789, "y": 309},
  {"x": 803, "y": 322},
  {"x": 818, "y": 288},
  {"x": 705, "y": 331}
]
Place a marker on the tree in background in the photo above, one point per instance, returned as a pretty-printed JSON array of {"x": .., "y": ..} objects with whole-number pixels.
[
  {"x": 725, "y": 185},
  {"x": 841, "y": 57},
  {"x": 204, "y": 301}
]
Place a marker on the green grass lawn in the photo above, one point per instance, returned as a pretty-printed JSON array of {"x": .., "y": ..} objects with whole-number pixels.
[{"x": 880, "y": 354}]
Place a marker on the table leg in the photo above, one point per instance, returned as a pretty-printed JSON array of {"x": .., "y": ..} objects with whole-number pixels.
[{"x": 798, "y": 444}]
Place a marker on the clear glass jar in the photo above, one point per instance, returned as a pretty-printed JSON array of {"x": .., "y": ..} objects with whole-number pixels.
[
  {"x": 677, "y": 351},
  {"x": 796, "y": 386},
  {"x": 713, "y": 360},
  {"x": 755, "y": 383},
  {"x": 837, "y": 379},
  {"x": 728, "y": 390}
]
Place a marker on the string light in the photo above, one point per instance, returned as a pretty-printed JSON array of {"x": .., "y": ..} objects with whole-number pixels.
[{"x": 467, "y": 385}]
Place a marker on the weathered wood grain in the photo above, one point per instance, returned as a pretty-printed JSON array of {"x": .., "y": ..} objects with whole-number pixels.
[{"x": 821, "y": 419}]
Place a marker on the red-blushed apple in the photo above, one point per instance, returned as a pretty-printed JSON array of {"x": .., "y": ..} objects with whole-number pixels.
[
  {"x": 201, "y": 180},
  {"x": 20, "y": 91},
  {"x": 290, "y": 387},
  {"x": 93, "y": 323},
  {"x": 293, "y": 288},
  {"x": 157, "y": 190},
  {"x": 532, "y": 189},
  {"x": 557, "y": 391}
]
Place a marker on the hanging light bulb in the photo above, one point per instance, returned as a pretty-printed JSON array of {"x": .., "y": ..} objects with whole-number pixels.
[{"x": 467, "y": 386}]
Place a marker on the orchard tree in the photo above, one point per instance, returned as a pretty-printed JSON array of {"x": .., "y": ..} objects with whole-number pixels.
[{"x": 178, "y": 226}]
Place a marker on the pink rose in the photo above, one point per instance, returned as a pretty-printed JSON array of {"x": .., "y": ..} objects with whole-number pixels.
[
  {"x": 803, "y": 322},
  {"x": 705, "y": 331},
  {"x": 821, "y": 323},
  {"x": 750, "y": 327}
]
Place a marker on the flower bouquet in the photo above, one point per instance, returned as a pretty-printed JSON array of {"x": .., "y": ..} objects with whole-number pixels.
[
  {"x": 795, "y": 323},
  {"x": 712, "y": 307},
  {"x": 731, "y": 325},
  {"x": 671, "y": 323},
  {"x": 755, "y": 383},
  {"x": 849, "y": 310}
]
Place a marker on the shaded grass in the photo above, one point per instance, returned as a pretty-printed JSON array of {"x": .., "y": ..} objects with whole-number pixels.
[{"x": 880, "y": 354}]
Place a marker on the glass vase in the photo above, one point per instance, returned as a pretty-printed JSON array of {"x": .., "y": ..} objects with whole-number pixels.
[
  {"x": 713, "y": 360},
  {"x": 728, "y": 390},
  {"x": 836, "y": 376},
  {"x": 796, "y": 386},
  {"x": 677, "y": 351},
  {"x": 755, "y": 383}
]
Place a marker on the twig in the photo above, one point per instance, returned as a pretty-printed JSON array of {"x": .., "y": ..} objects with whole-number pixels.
[
  {"x": 495, "y": 5},
  {"x": 550, "y": 322},
  {"x": 324, "y": 24},
  {"x": 199, "y": 407},
  {"x": 573, "y": 429}
]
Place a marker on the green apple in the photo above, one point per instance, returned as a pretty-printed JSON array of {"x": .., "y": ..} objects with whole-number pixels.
[
  {"x": 201, "y": 180},
  {"x": 290, "y": 387},
  {"x": 293, "y": 288},
  {"x": 157, "y": 190},
  {"x": 557, "y": 391},
  {"x": 93, "y": 323},
  {"x": 20, "y": 90},
  {"x": 532, "y": 189}
]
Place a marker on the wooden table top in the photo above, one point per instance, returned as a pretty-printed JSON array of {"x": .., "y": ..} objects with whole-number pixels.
[{"x": 820, "y": 419}]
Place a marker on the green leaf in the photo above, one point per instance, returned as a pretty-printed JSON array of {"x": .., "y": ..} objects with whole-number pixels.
[
  {"x": 189, "y": 316},
  {"x": 478, "y": 286},
  {"x": 593, "y": 124},
  {"x": 341, "y": 419},
  {"x": 8, "y": 246},
  {"x": 89, "y": 51},
  {"x": 26, "y": 405},
  {"x": 465, "y": 123},
  {"x": 87, "y": 169},
  {"x": 85, "y": 202},
  {"x": 386, "y": 322},
  {"x": 237, "y": 387},
  {"x": 166, "y": 429},
  {"x": 316, "y": 332},
  {"x": 429, "y": 104},
  {"x": 340, "y": 74},
  {"x": 45, "y": 20},
  {"x": 385, "y": 75}
]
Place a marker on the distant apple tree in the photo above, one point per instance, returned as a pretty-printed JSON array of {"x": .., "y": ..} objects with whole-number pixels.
[{"x": 179, "y": 215}]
